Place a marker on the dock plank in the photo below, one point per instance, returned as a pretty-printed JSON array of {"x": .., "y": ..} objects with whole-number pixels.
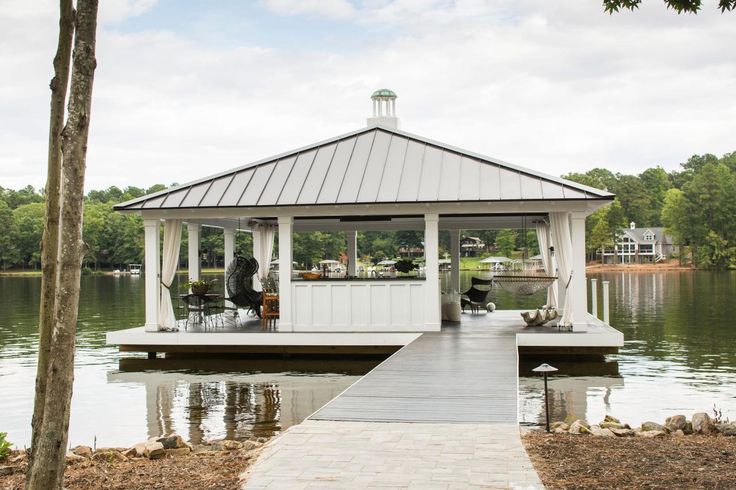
[{"x": 442, "y": 377}]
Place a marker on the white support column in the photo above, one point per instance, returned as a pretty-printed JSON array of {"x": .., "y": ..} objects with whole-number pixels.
[
  {"x": 455, "y": 260},
  {"x": 286, "y": 228},
  {"x": 229, "y": 256},
  {"x": 152, "y": 250},
  {"x": 352, "y": 238},
  {"x": 193, "y": 258},
  {"x": 432, "y": 264},
  {"x": 580, "y": 311},
  {"x": 606, "y": 308},
  {"x": 594, "y": 297}
]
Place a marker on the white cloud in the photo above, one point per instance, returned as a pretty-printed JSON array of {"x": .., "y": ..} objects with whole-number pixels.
[
  {"x": 331, "y": 9},
  {"x": 557, "y": 86},
  {"x": 117, "y": 10}
]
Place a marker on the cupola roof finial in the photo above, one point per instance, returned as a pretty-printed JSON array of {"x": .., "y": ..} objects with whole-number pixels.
[{"x": 384, "y": 109}]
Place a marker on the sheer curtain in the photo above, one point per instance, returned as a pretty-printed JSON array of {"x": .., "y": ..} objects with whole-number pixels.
[
  {"x": 562, "y": 242},
  {"x": 544, "y": 243},
  {"x": 172, "y": 242},
  {"x": 263, "y": 238}
]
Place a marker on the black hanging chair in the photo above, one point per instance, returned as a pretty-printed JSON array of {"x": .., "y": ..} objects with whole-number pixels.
[{"x": 239, "y": 284}]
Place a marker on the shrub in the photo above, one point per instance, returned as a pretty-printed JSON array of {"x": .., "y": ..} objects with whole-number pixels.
[{"x": 4, "y": 445}]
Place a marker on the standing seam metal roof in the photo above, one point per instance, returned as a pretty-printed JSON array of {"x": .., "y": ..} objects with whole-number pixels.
[{"x": 373, "y": 165}]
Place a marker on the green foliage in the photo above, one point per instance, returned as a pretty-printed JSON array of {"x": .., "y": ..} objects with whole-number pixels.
[
  {"x": 506, "y": 241},
  {"x": 673, "y": 218},
  {"x": 695, "y": 204},
  {"x": 5, "y": 445},
  {"x": 9, "y": 253},
  {"x": 28, "y": 220},
  {"x": 679, "y": 6}
]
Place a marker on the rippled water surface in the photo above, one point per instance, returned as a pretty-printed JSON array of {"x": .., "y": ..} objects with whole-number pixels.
[
  {"x": 680, "y": 356},
  {"x": 123, "y": 403}
]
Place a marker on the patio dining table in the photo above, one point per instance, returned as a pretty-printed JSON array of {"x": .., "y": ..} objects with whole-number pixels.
[{"x": 202, "y": 305}]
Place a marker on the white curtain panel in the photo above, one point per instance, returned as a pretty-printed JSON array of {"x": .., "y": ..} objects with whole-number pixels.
[
  {"x": 172, "y": 242},
  {"x": 562, "y": 241},
  {"x": 264, "y": 235},
  {"x": 544, "y": 242}
]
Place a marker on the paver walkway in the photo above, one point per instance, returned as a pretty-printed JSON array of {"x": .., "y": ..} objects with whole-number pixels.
[{"x": 440, "y": 413}]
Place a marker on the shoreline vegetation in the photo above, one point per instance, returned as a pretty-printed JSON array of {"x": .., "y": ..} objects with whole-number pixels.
[
  {"x": 680, "y": 453},
  {"x": 467, "y": 264},
  {"x": 169, "y": 460}
]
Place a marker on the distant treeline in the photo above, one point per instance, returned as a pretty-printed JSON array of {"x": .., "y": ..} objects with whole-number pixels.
[
  {"x": 115, "y": 239},
  {"x": 696, "y": 204}
]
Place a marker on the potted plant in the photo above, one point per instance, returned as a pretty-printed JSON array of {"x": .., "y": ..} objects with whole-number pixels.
[
  {"x": 200, "y": 287},
  {"x": 405, "y": 266}
]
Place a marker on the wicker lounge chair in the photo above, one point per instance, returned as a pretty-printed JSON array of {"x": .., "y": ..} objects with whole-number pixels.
[{"x": 478, "y": 296}]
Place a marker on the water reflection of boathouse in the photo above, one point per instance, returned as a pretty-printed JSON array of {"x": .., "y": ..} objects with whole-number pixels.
[{"x": 230, "y": 406}]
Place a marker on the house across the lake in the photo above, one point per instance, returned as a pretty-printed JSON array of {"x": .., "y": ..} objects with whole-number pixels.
[
  {"x": 640, "y": 245},
  {"x": 471, "y": 246},
  {"x": 377, "y": 178}
]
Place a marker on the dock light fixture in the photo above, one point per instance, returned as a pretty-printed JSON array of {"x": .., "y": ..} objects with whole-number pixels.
[{"x": 544, "y": 369}]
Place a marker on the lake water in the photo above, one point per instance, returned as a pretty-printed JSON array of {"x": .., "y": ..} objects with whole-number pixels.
[{"x": 680, "y": 356}]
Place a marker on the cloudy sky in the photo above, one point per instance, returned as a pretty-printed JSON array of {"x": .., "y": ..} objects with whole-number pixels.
[{"x": 184, "y": 89}]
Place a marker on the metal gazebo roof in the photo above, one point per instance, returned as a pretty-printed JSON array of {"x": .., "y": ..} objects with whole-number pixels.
[{"x": 374, "y": 165}]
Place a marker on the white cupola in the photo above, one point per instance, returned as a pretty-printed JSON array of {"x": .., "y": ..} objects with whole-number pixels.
[
  {"x": 632, "y": 225},
  {"x": 384, "y": 109}
]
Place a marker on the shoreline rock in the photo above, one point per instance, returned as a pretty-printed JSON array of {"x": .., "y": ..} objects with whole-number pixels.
[{"x": 675, "y": 425}]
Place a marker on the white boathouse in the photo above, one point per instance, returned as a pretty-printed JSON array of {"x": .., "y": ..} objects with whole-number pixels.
[{"x": 376, "y": 178}]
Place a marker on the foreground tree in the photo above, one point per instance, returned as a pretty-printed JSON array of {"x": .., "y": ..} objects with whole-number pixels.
[
  {"x": 51, "y": 428},
  {"x": 50, "y": 238},
  {"x": 679, "y": 6}
]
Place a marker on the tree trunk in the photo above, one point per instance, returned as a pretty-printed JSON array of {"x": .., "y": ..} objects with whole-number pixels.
[
  {"x": 49, "y": 462},
  {"x": 50, "y": 240}
]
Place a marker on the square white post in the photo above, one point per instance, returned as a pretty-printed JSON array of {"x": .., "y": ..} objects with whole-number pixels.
[
  {"x": 229, "y": 234},
  {"x": 286, "y": 227},
  {"x": 455, "y": 260},
  {"x": 594, "y": 297},
  {"x": 580, "y": 283},
  {"x": 193, "y": 259},
  {"x": 606, "y": 309},
  {"x": 352, "y": 238},
  {"x": 432, "y": 264},
  {"x": 152, "y": 250}
]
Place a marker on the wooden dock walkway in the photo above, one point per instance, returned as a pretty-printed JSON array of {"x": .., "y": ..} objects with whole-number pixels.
[
  {"x": 439, "y": 413},
  {"x": 462, "y": 374}
]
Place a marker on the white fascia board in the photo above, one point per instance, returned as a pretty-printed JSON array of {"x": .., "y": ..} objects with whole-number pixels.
[{"x": 381, "y": 209}]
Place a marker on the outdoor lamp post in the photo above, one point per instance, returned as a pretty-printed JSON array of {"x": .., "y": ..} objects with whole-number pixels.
[{"x": 544, "y": 369}]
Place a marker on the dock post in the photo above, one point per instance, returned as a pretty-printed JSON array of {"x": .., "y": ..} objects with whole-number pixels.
[
  {"x": 606, "y": 311},
  {"x": 594, "y": 296}
]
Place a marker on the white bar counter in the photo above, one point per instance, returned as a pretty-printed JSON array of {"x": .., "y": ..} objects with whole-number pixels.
[{"x": 360, "y": 305}]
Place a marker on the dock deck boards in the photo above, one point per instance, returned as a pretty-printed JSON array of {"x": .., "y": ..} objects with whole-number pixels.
[
  {"x": 440, "y": 413},
  {"x": 463, "y": 374}
]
